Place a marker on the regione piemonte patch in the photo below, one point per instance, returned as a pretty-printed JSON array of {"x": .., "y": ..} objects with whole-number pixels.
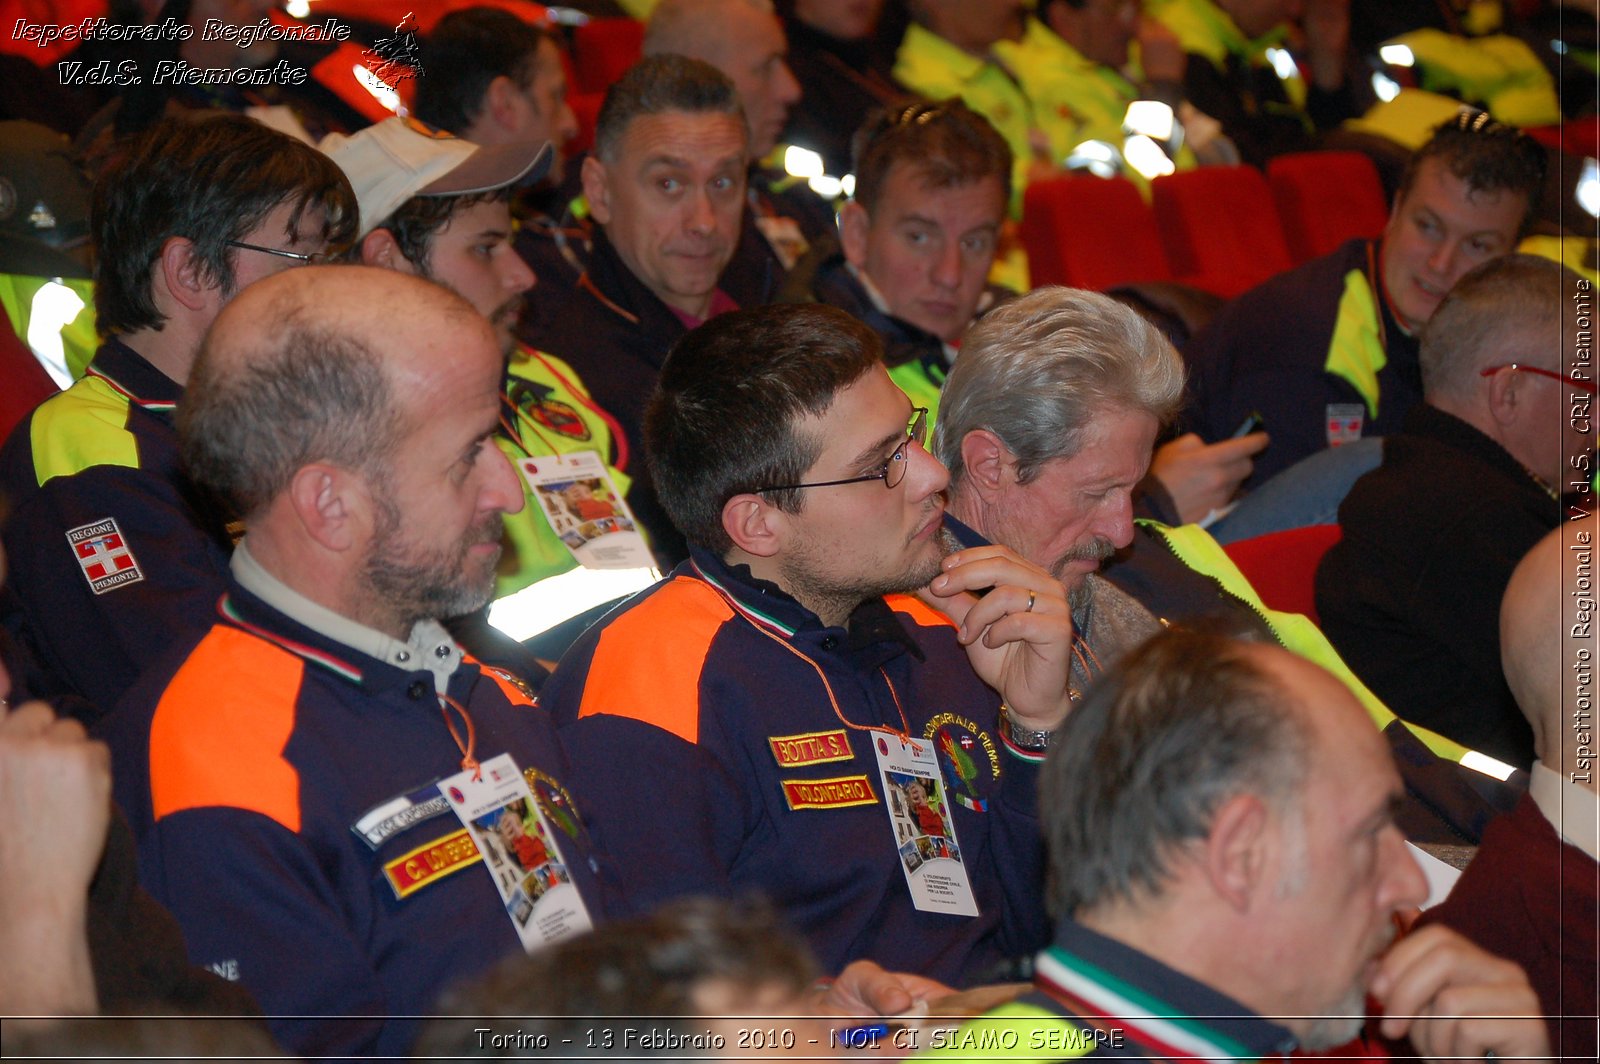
[{"x": 104, "y": 556}]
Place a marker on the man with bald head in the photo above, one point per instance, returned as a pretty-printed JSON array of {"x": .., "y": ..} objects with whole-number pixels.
[
  {"x": 1529, "y": 893},
  {"x": 1225, "y": 872},
  {"x": 1410, "y": 597},
  {"x": 283, "y": 772}
]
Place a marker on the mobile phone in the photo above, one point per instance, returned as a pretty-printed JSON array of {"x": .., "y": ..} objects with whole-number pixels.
[{"x": 1254, "y": 423}]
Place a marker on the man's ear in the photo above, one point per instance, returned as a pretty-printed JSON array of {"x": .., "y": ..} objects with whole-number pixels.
[
  {"x": 755, "y": 525},
  {"x": 183, "y": 274},
  {"x": 332, "y": 505},
  {"x": 500, "y": 102},
  {"x": 1505, "y": 397},
  {"x": 379, "y": 248},
  {"x": 593, "y": 175},
  {"x": 1236, "y": 850},
  {"x": 853, "y": 225},
  {"x": 987, "y": 464}
]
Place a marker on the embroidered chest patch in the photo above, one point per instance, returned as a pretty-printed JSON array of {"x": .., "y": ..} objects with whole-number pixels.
[
  {"x": 968, "y": 758},
  {"x": 838, "y": 793},
  {"x": 811, "y": 748}
]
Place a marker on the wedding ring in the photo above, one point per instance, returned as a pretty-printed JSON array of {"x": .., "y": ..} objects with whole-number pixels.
[{"x": 1029, "y": 607}]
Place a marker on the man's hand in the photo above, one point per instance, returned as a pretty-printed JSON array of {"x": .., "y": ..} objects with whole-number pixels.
[
  {"x": 1457, "y": 1001},
  {"x": 1024, "y": 653},
  {"x": 1201, "y": 476},
  {"x": 55, "y": 802},
  {"x": 864, "y": 988}
]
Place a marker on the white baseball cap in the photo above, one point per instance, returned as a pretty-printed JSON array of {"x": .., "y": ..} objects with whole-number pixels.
[{"x": 398, "y": 158}]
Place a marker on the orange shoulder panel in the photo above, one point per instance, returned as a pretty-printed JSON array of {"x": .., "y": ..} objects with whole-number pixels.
[
  {"x": 514, "y": 687},
  {"x": 219, "y": 730},
  {"x": 648, "y": 661},
  {"x": 919, "y": 612}
]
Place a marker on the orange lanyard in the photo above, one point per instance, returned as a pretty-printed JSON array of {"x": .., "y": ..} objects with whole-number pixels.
[
  {"x": 468, "y": 762},
  {"x": 833, "y": 699}
]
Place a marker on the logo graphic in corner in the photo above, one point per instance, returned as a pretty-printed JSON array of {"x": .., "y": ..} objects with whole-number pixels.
[
  {"x": 963, "y": 748},
  {"x": 104, "y": 556}
]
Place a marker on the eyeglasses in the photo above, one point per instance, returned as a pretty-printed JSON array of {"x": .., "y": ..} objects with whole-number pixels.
[
  {"x": 315, "y": 259},
  {"x": 893, "y": 471},
  {"x": 1587, "y": 387}
]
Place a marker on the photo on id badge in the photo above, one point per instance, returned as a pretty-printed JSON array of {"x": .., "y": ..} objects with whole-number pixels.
[
  {"x": 921, "y": 819},
  {"x": 512, "y": 840}
]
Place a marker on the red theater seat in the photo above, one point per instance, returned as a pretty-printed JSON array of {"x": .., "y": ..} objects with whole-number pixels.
[
  {"x": 1090, "y": 232},
  {"x": 603, "y": 49},
  {"x": 1219, "y": 228},
  {"x": 1282, "y": 566},
  {"x": 1325, "y": 198}
]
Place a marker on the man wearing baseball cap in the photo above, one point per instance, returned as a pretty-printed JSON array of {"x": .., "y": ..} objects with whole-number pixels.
[{"x": 435, "y": 205}]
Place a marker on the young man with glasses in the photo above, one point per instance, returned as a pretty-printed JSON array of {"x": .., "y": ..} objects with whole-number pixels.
[
  {"x": 751, "y": 722},
  {"x": 1411, "y": 595},
  {"x": 113, "y": 553}
]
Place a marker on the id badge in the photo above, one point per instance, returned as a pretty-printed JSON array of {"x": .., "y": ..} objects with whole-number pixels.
[
  {"x": 924, "y": 831},
  {"x": 1343, "y": 422},
  {"x": 519, "y": 851},
  {"x": 586, "y": 510}
]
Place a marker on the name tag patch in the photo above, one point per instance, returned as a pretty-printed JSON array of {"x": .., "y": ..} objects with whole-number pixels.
[
  {"x": 812, "y": 748},
  {"x": 837, "y": 793},
  {"x": 431, "y": 862}
]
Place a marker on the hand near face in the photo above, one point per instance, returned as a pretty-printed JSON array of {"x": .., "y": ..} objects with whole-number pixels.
[
  {"x": 1201, "y": 476},
  {"x": 1456, "y": 1001},
  {"x": 1025, "y": 654}
]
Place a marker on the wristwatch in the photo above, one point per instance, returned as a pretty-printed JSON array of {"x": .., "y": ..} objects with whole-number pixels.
[{"x": 1024, "y": 738}]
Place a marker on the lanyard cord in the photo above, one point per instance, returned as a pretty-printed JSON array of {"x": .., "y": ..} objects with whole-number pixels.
[
  {"x": 516, "y": 437},
  {"x": 618, "y": 438},
  {"x": 468, "y": 762},
  {"x": 833, "y": 700}
]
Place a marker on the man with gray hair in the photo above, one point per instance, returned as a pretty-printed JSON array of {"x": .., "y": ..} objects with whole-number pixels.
[
  {"x": 1046, "y": 424},
  {"x": 666, "y": 184},
  {"x": 1411, "y": 595},
  {"x": 1225, "y": 873}
]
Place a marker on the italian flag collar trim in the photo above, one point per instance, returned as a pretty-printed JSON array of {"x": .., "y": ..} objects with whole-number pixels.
[
  {"x": 1148, "y": 1021},
  {"x": 310, "y": 653}
]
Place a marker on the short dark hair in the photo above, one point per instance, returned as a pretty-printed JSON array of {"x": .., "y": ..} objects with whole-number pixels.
[
  {"x": 948, "y": 142},
  {"x": 465, "y": 52},
  {"x": 642, "y": 973},
  {"x": 210, "y": 180},
  {"x": 1488, "y": 156},
  {"x": 1177, "y": 727},
  {"x": 656, "y": 85},
  {"x": 418, "y": 220},
  {"x": 723, "y": 418},
  {"x": 309, "y": 394}
]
